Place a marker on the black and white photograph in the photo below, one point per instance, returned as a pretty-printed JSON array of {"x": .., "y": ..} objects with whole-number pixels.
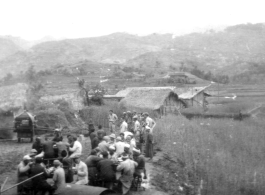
[{"x": 132, "y": 97}]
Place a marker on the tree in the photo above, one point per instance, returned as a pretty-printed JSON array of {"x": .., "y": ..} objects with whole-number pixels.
[
  {"x": 84, "y": 89},
  {"x": 36, "y": 88}
]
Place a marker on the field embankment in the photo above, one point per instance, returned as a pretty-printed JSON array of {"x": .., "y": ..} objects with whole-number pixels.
[{"x": 210, "y": 156}]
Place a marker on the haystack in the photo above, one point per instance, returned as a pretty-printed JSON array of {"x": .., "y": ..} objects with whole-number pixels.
[
  {"x": 13, "y": 97},
  {"x": 12, "y": 100}
]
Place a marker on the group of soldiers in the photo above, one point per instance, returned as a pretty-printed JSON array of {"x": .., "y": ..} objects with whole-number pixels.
[{"x": 115, "y": 161}]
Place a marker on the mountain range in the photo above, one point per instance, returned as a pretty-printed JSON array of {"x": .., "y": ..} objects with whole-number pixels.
[{"x": 231, "y": 51}]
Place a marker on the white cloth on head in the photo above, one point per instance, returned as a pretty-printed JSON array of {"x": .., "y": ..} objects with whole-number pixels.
[
  {"x": 126, "y": 133},
  {"x": 124, "y": 127}
]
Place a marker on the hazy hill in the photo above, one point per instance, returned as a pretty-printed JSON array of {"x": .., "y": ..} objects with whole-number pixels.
[
  {"x": 114, "y": 48},
  {"x": 231, "y": 51},
  {"x": 7, "y": 48}
]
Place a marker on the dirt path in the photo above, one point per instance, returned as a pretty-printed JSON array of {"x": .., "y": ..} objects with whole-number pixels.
[{"x": 148, "y": 184}]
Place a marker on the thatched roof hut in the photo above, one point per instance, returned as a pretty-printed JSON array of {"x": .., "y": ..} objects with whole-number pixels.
[{"x": 160, "y": 100}]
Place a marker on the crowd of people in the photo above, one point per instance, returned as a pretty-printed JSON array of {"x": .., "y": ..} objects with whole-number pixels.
[{"x": 115, "y": 160}]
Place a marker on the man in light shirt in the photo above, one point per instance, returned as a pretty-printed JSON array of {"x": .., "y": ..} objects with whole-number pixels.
[
  {"x": 112, "y": 120},
  {"x": 119, "y": 145},
  {"x": 136, "y": 124},
  {"x": 124, "y": 126},
  {"x": 58, "y": 176},
  {"x": 81, "y": 171},
  {"x": 76, "y": 149},
  {"x": 150, "y": 122}
]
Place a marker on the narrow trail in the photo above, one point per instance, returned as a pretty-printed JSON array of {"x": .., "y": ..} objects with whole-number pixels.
[{"x": 151, "y": 170}]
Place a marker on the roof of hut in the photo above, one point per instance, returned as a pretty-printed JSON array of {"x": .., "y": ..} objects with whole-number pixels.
[{"x": 147, "y": 98}]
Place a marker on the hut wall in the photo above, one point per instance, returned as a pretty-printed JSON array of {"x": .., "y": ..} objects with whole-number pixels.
[
  {"x": 171, "y": 105},
  {"x": 197, "y": 101}
]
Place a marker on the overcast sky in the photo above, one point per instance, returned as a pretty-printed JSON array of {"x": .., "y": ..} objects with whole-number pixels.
[{"x": 34, "y": 19}]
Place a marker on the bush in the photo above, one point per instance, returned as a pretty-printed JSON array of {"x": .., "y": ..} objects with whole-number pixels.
[
  {"x": 226, "y": 156},
  {"x": 99, "y": 114}
]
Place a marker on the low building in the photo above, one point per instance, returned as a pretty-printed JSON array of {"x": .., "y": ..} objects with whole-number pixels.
[
  {"x": 194, "y": 97},
  {"x": 161, "y": 101}
]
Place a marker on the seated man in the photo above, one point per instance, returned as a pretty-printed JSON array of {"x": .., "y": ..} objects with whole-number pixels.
[
  {"x": 67, "y": 166},
  {"x": 23, "y": 173},
  {"x": 81, "y": 171},
  {"x": 58, "y": 176},
  {"x": 57, "y": 135},
  {"x": 39, "y": 183},
  {"x": 127, "y": 167},
  {"x": 106, "y": 171},
  {"x": 76, "y": 149}
]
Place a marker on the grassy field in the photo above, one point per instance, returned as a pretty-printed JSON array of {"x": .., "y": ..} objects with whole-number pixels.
[{"x": 216, "y": 156}]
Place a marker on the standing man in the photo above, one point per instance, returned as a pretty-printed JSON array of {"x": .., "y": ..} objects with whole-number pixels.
[
  {"x": 37, "y": 145},
  {"x": 136, "y": 124},
  {"x": 106, "y": 171},
  {"x": 23, "y": 173},
  {"x": 112, "y": 120},
  {"x": 149, "y": 122},
  {"x": 149, "y": 142},
  {"x": 127, "y": 167},
  {"x": 39, "y": 183}
]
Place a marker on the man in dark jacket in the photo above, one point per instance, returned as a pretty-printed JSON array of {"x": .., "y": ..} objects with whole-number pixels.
[
  {"x": 37, "y": 145},
  {"x": 106, "y": 171},
  {"x": 91, "y": 162},
  {"x": 92, "y": 136},
  {"x": 39, "y": 183}
]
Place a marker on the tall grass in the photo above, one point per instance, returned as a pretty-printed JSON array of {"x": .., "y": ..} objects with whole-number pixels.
[{"x": 228, "y": 156}]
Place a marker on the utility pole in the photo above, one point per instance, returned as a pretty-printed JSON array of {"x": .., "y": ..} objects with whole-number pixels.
[{"x": 218, "y": 92}]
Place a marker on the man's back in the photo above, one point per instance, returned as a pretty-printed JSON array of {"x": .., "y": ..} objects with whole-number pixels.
[
  {"x": 119, "y": 147},
  {"x": 124, "y": 127},
  {"x": 92, "y": 161},
  {"x": 103, "y": 146},
  {"x": 105, "y": 168},
  {"x": 59, "y": 178},
  {"x": 128, "y": 167},
  {"x": 140, "y": 161},
  {"x": 48, "y": 149},
  {"x": 95, "y": 142},
  {"x": 35, "y": 170}
]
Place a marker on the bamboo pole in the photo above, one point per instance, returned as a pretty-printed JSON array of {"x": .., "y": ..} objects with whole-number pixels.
[
  {"x": 2, "y": 187},
  {"x": 2, "y": 191}
]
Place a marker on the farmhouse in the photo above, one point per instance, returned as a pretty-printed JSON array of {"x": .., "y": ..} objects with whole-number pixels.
[
  {"x": 194, "y": 97},
  {"x": 162, "y": 101}
]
